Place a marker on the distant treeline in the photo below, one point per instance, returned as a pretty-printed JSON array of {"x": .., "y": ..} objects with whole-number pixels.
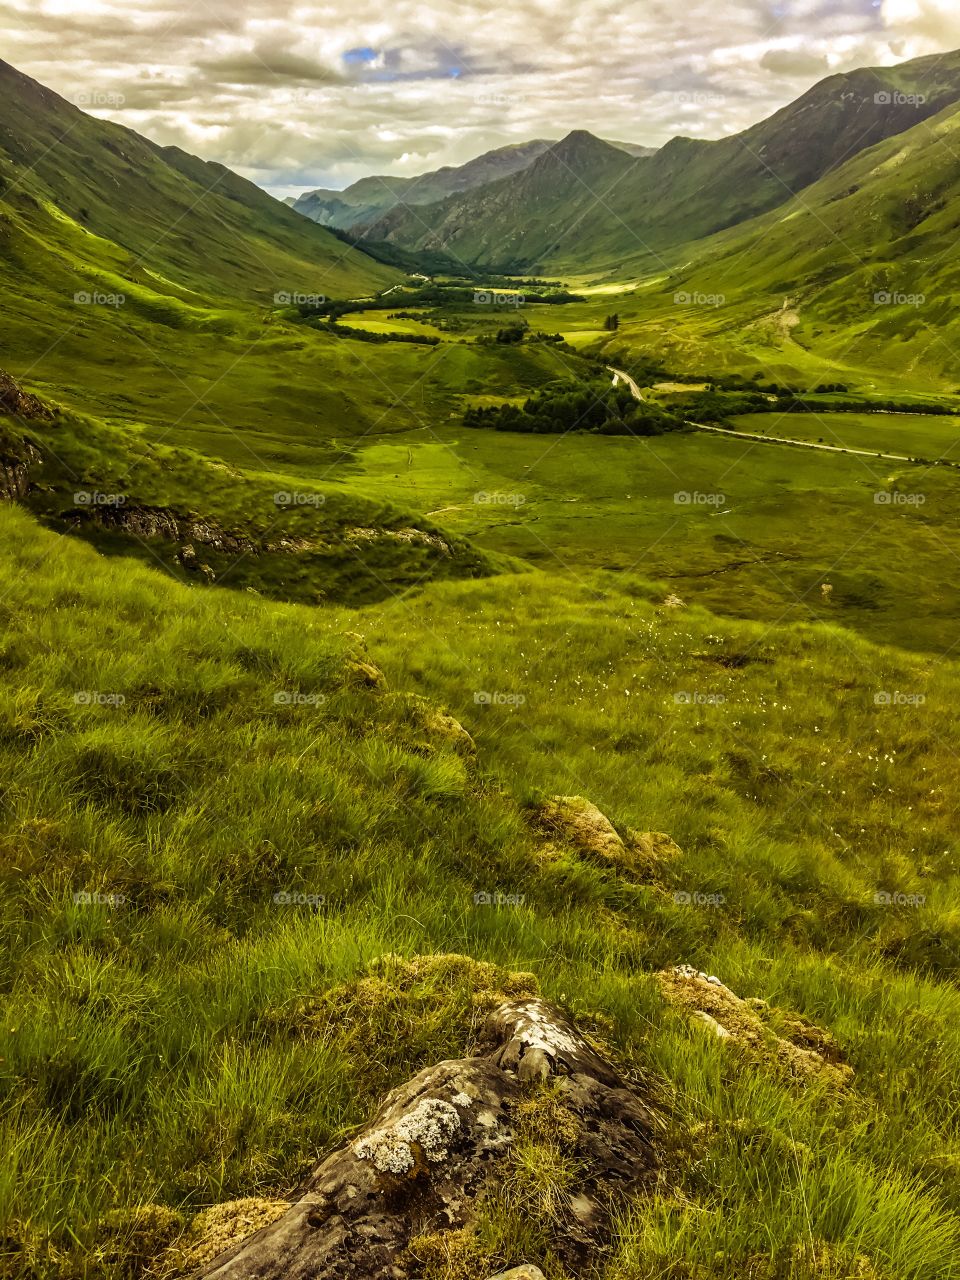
[
  {"x": 365, "y": 335},
  {"x": 516, "y": 333},
  {"x": 577, "y": 406},
  {"x": 429, "y": 295}
]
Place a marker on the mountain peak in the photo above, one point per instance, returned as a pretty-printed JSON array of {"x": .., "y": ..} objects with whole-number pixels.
[{"x": 580, "y": 149}]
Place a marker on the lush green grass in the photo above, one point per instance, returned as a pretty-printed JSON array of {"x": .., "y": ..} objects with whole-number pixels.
[
  {"x": 790, "y": 521},
  {"x": 190, "y": 1039}
]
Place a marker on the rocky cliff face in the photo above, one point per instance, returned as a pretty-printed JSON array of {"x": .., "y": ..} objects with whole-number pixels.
[{"x": 17, "y": 456}]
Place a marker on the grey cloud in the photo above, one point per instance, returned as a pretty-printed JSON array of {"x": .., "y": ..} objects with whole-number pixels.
[
  {"x": 795, "y": 62},
  {"x": 267, "y": 62}
]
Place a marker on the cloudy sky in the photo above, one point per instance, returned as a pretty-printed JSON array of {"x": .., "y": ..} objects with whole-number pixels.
[{"x": 301, "y": 93}]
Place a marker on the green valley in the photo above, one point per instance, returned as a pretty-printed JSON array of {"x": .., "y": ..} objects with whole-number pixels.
[{"x": 515, "y": 596}]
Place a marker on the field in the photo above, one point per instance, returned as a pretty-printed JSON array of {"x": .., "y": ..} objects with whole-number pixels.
[
  {"x": 242, "y": 836},
  {"x": 763, "y": 530},
  {"x": 915, "y": 435}
]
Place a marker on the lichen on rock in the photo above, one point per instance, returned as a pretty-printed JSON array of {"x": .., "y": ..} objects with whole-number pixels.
[
  {"x": 441, "y": 1146},
  {"x": 429, "y": 1126}
]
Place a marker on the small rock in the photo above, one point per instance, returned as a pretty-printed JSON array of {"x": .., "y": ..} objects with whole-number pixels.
[
  {"x": 803, "y": 1053},
  {"x": 720, "y": 1031},
  {"x": 534, "y": 1065},
  {"x": 651, "y": 850},
  {"x": 445, "y": 728},
  {"x": 582, "y": 824},
  {"x": 366, "y": 674},
  {"x": 525, "y": 1272}
]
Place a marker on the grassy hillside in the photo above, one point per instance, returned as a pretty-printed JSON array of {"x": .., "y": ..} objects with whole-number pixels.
[
  {"x": 116, "y": 210},
  {"x": 290, "y": 704},
  {"x": 206, "y": 522},
  {"x": 176, "y": 1034}
]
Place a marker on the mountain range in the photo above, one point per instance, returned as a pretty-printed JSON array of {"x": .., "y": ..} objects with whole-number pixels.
[
  {"x": 371, "y": 198},
  {"x": 93, "y": 201},
  {"x": 584, "y": 202}
]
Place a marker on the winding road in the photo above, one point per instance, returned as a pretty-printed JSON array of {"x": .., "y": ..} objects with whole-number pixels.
[{"x": 618, "y": 374}]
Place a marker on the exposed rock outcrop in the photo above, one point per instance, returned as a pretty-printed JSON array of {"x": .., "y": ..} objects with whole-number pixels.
[
  {"x": 651, "y": 850},
  {"x": 441, "y": 727},
  {"x": 804, "y": 1051},
  {"x": 578, "y": 822},
  {"x": 443, "y": 1140},
  {"x": 366, "y": 674},
  {"x": 419, "y": 537},
  {"x": 437, "y": 726},
  {"x": 21, "y": 404},
  {"x": 147, "y": 523},
  {"x": 15, "y": 471}
]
